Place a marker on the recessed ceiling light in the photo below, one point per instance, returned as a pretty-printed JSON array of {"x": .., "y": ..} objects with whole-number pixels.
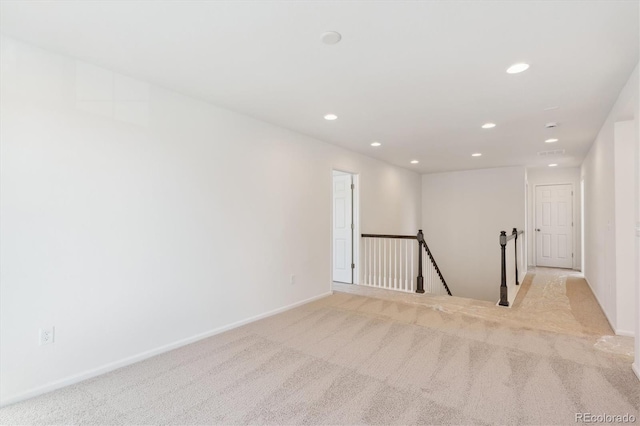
[
  {"x": 552, "y": 165},
  {"x": 516, "y": 68},
  {"x": 330, "y": 117},
  {"x": 375, "y": 144},
  {"x": 477, "y": 154},
  {"x": 552, "y": 140},
  {"x": 331, "y": 37},
  {"x": 414, "y": 161},
  {"x": 488, "y": 125}
]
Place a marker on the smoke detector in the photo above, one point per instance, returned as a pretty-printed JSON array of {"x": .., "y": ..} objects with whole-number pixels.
[{"x": 331, "y": 37}]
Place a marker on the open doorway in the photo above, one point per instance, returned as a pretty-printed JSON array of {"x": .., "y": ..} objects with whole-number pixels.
[{"x": 345, "y": 227}]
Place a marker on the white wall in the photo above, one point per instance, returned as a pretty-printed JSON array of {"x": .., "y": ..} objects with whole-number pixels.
[
  {"x": 462, "y": 216},
  {"x": 607, "y": 197},
  {"x": 625, "y": 207},
  {"x": 134, "y": 217},
  {"x": 548, "y": 176}
]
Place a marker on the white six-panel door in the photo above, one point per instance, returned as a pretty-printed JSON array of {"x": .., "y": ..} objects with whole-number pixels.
[
  {"x": 342, "y": 228},
  {"x": 554, "y": 226}
]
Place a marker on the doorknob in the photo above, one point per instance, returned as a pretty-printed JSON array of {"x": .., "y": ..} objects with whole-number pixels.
[{"x": 538, "y": 229}]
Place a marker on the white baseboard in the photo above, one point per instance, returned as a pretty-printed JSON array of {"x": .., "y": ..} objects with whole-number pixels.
[
  {"x": 634, "y": 367},
  {"x": 76, "y": 378}
]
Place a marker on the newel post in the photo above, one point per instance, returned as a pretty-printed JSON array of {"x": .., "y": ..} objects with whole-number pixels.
[
  {"x": 504, "y": 301},
  {"x": 420, "y": 281},
  {"x": 515, "y": 246}
]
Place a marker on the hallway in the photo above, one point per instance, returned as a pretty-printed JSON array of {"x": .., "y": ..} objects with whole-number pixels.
[{"x": 555, "y": 300}]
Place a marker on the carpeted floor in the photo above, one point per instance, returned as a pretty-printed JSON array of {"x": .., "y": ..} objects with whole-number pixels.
[
  {"x": 550, "y": 299},
  {"x": 585, "y": 308},
  {"x": 351, "y": 359}
]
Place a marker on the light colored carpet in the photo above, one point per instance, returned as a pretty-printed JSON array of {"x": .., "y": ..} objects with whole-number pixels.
[
  {"x": 350, "y": 359},
  {"x": 550, "y": 299},
  {"x": 585, "y": 307}
]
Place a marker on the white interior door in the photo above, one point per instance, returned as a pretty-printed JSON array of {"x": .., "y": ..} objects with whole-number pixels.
[
  {"x": 554, "y": 226},
  {"x": 342, "y": 228}
]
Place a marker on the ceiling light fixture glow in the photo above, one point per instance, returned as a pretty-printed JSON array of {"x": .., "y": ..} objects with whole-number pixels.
[
  {"x": 330, "y": 117},
  {"x": 375, "y": 144},
  {"x": 517, "y": 68},
  {"x": 477, "y": 154},
  {"x": 488, "y": 125},
  {"x": 414, "y": 161},
  {"x": 552, "y": 140},
  {"x": 552, "y": 165}
]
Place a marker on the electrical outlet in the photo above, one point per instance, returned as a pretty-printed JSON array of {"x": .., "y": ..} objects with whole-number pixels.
[
  {"x": 292, "y": 280},
  {"x": 46, "y": 336}
]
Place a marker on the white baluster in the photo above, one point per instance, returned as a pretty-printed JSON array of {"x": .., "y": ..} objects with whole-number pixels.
[
  {"x": 407, "y": 275},
  {"x": 427, "y": 271},
  {"x": 373, "y": 262},
  {"x": 395, "y": 264},
  {"x": 364, "y": 261},
  {"x": 401, "y": 257},
  {"x": 413, "y": 255},
  {"x": 429, "y": 288},
  {"x": 437, "y": 285},
  {"x": 381, "y": 284},
  {"x": 369, "y": 281},
  {"x": 370, "y": 268},
  {"x": 379, "y": 263},
  {"x": 372, "y": 254},
  {"x": 434, "y": 280},
  {"x": 384, "y": 259},
  {"x": 388, "y": 264}
]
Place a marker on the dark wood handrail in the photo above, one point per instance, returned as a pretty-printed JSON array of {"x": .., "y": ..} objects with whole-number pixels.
[
  {"x": 423, "y": 243},
  {"x": 513, "y": 234},
  {"x": 402, "y": 237}
]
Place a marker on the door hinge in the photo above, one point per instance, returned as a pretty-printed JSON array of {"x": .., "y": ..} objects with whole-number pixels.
[
  {"x": 353, "y": 186},
  {"x": 353, "y": 266},
  {"x": 571, "y": 254}
]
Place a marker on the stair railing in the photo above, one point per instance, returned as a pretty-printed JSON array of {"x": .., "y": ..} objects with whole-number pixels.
[
  {"x": 504, "y": 284},
  {"x": 423, "y": 243},
  {"x": 390, "y": 262}
]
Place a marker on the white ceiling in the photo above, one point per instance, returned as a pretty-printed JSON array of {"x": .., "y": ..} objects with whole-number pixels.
[{"x": 420, "y": 77}]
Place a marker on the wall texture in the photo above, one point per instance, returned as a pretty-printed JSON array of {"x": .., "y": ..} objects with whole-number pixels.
[
  {"x": 604, "y": 201},
  {"x": 135, "y": 219},
  {"x": 462, "y": 216}
]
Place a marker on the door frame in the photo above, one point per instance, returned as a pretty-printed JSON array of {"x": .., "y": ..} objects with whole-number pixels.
[
  {"x": 355, "y": 212},
  {"x": 581, "y": 224},
  {"x": 573, "y": 222}
]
